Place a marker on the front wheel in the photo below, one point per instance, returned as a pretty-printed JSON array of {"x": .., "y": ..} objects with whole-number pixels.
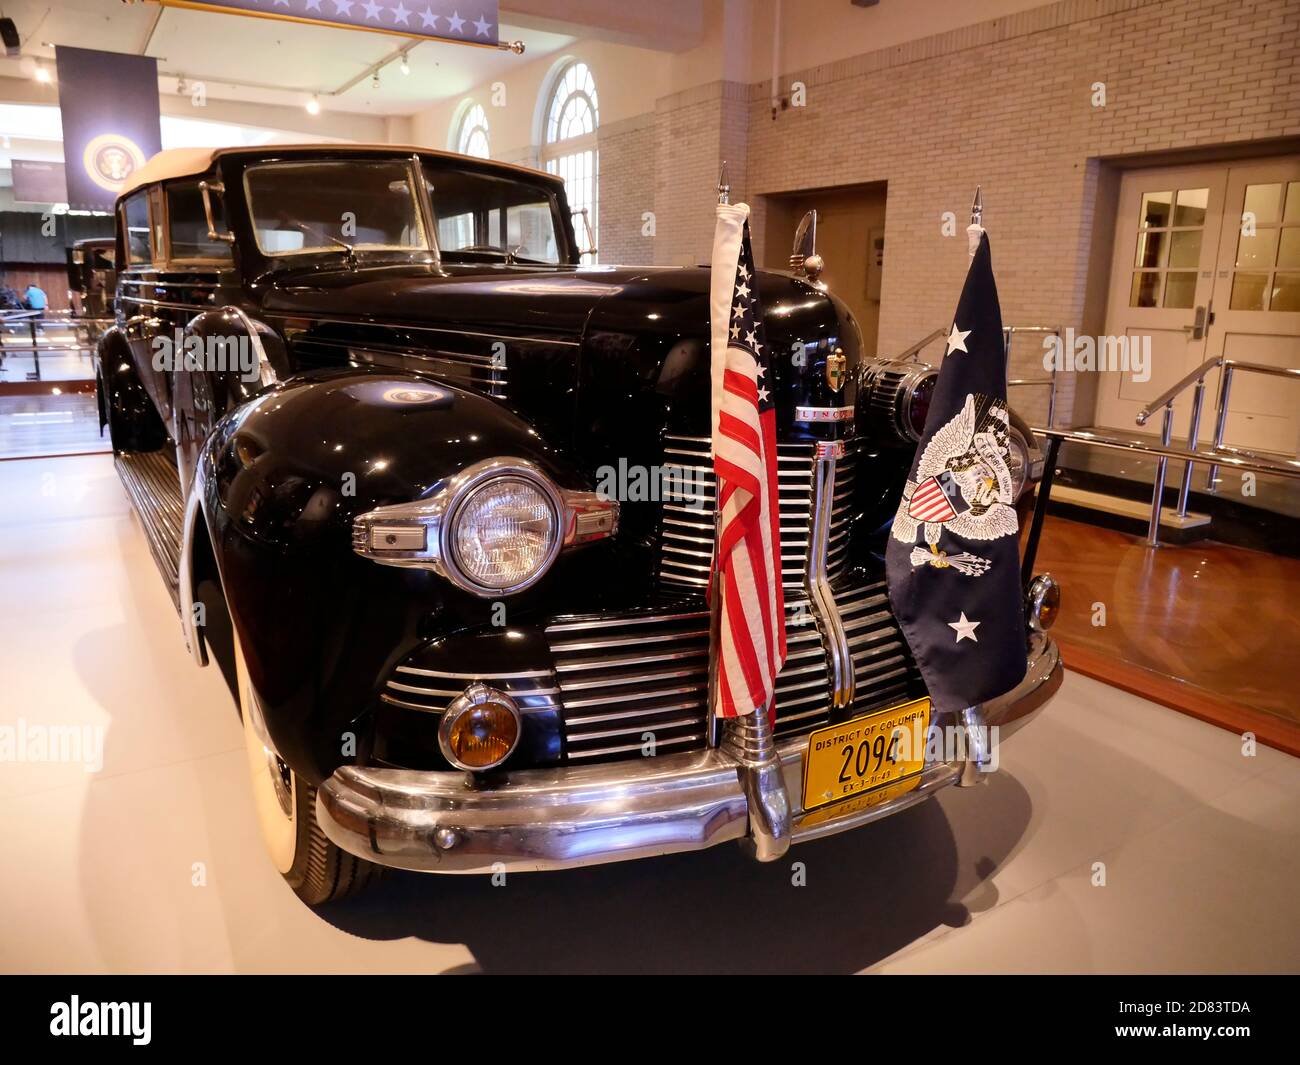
[{"x": 285, "y": 804}]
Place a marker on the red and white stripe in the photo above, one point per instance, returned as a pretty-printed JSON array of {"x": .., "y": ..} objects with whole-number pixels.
[
  {"x": 747, "y": 571},
  {"x": 930, "y": 503}
]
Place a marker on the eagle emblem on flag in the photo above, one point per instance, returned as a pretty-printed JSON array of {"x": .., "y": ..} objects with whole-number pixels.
[{"x": 963, "y": 485}]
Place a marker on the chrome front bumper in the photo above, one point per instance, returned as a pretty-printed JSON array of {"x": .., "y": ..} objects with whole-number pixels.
[{"x": 584, "y": 815}]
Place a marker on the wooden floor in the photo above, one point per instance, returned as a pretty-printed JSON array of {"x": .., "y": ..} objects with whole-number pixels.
[{"x": 1207, "y": 628}]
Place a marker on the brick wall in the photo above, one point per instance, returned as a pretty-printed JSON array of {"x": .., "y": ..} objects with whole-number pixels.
[
  {"x": 627, "y": 184},
  {"x": 1005, "y": 104}
]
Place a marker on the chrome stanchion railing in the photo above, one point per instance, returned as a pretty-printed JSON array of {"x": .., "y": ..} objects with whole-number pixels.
[
  {"x": 1220, "y": 425},
  {"x": 1158, "y": 492},
  {"x": 1193, "y": 432}
]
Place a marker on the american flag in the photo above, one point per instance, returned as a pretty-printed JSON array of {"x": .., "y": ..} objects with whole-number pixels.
[{"x": 747, "y": 563}]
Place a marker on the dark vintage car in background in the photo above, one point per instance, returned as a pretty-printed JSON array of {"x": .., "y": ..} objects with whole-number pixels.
[{"x": 363, "y": 399}]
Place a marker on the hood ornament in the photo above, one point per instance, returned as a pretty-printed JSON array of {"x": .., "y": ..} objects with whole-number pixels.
[
  {"x": 837, "y": 365},
  {"x": 804, "y": 259}
]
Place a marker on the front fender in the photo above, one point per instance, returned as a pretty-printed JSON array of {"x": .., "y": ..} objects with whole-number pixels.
[{"x": 282, "y": 479}]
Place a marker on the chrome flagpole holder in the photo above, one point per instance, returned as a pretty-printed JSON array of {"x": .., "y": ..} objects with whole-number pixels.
[
  {"x": 978, "y": 760},
  {"x": 750, "y": 742}
]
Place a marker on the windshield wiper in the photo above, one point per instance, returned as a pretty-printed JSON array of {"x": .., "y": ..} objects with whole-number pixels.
[{"x": 349, "y": 252}]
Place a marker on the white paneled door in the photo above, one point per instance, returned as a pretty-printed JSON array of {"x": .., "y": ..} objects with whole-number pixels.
[{"x": 1207, "y": 263}]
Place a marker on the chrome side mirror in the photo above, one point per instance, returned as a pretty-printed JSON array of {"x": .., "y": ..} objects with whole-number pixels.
[
  {"x": 804, "y": 259},
  {"x": 590, "y": 249},
  {"x": 207, "y": 188}
]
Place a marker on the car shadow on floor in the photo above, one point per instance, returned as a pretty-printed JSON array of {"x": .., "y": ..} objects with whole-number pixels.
[{"x": 866, "y": 894}]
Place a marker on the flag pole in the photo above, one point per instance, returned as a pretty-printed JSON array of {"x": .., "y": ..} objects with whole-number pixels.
[{"x": 748, "y": 738}]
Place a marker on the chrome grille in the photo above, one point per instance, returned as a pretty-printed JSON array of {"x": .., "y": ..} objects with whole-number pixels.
[
  {"x": 623, "y": 677},
  {"x": 432, "y": 690},
  {"x": 620, "y": 678},
  {"x": 690, "y": 492}
]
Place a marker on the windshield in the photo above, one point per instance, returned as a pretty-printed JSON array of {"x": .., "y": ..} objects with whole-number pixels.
[
  {"x": 321, "y": 206},
  {"x": 487, "y": 216}
]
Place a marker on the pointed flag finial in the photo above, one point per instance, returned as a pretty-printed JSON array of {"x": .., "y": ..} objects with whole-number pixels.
[
  {"x": 724, "y": 190},
  {"x": 977, "y": 207}
]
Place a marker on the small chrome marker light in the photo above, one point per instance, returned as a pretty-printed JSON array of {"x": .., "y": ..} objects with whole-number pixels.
[
  {"x": 493, "y": 529},
  {"x": 1042, "y": 602},
  {"x": 480, "y": 729}
]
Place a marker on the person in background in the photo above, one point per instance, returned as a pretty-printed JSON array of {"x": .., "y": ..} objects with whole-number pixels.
[{"x": 35, "y": 297}]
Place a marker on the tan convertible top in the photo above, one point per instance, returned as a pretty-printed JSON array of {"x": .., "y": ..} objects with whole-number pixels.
[{"x": 191, "y": 162}]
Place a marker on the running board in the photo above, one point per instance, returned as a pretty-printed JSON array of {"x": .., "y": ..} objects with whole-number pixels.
[{"x": 151, "y": 480}]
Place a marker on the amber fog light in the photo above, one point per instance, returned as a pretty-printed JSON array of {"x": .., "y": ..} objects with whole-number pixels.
[
  {"x": 479, "y": 729},
  {"x": 1042, "y": 602}
]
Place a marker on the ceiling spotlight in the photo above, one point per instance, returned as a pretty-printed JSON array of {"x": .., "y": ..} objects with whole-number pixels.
[
  {"x": 405, "y": 66},
  {"x": 374, "y": 82},
  {"x": 313, "y": 106},
  {"x": 42, "y": 75}
]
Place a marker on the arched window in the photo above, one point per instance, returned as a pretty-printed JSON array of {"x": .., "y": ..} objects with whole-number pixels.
[
  {"x": 569, "y": 142},
  {"x": 472, "y": 136}
]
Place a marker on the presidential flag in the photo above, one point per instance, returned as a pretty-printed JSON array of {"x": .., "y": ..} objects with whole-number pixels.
[
  {"x": 953, "y": 558},
  {"x": 746, "y": 580}
]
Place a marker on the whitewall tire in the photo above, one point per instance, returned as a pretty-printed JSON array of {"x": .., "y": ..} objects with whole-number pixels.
[{"x": 285, "y": 807}]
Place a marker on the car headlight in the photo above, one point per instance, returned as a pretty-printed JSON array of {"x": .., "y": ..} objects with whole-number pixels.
[
  {"x": 504, "y": 533},
  {"x": 492, "y": 529}
]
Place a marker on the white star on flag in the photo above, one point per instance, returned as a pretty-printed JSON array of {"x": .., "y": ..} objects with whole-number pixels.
[
  {"x": 456, "y": 22},
  {"x": 279, "y": 2},
  {"x": 313, "y": 5},
  {"x": 372, "y": 9},
  {"x": 965, "y": 629},
  {"x": 342, "y": 7},
  {"x": 428, "y": 19},
  {"x": 957, "y": 340},
  {"x": 400, "y": 14},
  {"x": 482, "y": 25}
]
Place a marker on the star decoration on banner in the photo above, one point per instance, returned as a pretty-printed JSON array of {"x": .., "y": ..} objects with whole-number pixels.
[
  {"x": 400, "y": 14},
  {"x": 456, "y": 22},
  {"x": 313, "y": 5},
  {"x": 372, "y": 9},
  {"x": 957, "y": 340},
  {"x": 428, "y": 20},
  {"x": 481, "y": 26},
  {"x": 279, "y": 2},
  {"x": 965, "y": 629},
  {"x": 342, "y": 7}
]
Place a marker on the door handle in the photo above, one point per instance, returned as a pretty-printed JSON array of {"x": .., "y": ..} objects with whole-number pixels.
[{"x": 1196, "y": 331}]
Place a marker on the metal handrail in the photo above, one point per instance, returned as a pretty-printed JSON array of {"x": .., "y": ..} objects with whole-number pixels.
[
  {"x": 1172, "y": 393},
  {"x": 1166, "y": 400},
  {"x": 1254, "y": 463}
]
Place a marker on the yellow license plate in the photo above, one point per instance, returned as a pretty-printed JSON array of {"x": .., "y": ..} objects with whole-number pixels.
[{"x": 866, "y": 753}]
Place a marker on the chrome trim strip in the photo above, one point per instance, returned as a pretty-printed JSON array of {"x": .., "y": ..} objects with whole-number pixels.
[
  {"x": 825, "y": 609},
  {"x": 265, "y": 371}
]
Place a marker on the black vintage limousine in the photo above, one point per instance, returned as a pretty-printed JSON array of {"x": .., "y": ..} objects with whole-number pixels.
[{"x": 363, "y": 399}]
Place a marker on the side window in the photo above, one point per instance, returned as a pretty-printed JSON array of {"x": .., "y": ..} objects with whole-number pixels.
[
  {"x": 135, "y": 218},
  {"x": 188, "y": 223}
]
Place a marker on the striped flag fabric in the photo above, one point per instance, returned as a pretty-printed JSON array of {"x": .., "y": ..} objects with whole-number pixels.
[{"x": 747, "y": 560}]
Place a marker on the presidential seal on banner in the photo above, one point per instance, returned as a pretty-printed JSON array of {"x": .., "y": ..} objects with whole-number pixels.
[{"x": 110, "y": 159}]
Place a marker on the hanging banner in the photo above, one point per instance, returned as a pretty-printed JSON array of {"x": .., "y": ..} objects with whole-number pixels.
[
  {"x": 36, "y": 181},
  {"x": 109, "y": 106},
  {"x": 439, "y": 20}
]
